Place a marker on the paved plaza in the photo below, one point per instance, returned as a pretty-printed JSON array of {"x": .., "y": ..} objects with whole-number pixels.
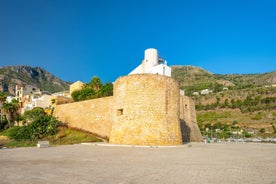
[{"x": 191, "y": 163}]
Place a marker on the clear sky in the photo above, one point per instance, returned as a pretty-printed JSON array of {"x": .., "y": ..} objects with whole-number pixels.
[{"x": 79, "y": 39}]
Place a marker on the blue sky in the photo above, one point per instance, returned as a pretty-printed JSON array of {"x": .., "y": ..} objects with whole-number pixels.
[{"x": 79, "y": 39}]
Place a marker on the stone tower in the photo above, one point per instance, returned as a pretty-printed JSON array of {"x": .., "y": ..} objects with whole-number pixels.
[
  {"x": 147, "y": 111},
  {"x": 188, "y": 123}
]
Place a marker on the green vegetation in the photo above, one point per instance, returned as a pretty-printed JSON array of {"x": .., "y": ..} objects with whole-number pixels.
[
  {"x": 223, "y": 131},
  {"x": 212, "y": 116},
  {"x": 262, "y": 130},
  {"x": 194, "y": 79},
  {"x": 20, "y": 143},
  {"x": 258, "y": 116},
  {"x": 39, "y": 125},
  {"x": 243, "y": 81},
  {"x": 64, "y": 136},
  {"x": 249, "y": 104},
  {"x": 67, "y": 135},
  {"x": 10, "y": 109},
  {"x": 93, "y": 89},
  {"x": 32, "y": 115},
  {"x": 274, "y": 128},
  {"x": 229, "y": 121},
  {"x": 237, "y": 102},
  {"x": 3, "y": 119}
]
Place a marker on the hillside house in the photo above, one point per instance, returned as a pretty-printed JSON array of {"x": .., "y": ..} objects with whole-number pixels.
[
  {"x": 21, "y": 91},
  {"x": 206, "y": 91}
]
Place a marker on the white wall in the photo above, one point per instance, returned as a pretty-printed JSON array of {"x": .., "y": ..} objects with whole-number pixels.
[{"x": 150, "y": 65}]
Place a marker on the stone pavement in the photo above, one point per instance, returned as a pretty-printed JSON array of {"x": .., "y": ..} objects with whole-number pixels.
[{"x": 193, "y": 163}]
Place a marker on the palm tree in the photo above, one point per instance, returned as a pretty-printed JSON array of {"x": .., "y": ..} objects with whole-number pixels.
[
  {"x": 10, "y": 110},
  {"x": 3, "y": 98},
  {"x": 95, "y": 83}
]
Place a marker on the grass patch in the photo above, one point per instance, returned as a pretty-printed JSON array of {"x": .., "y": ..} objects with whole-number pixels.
[
  {"x": 212, "y": 116},
  {"x": 20, "y": 143},
  {"x": 257, "y": 116},
  {"x": 65, "y": 136}
]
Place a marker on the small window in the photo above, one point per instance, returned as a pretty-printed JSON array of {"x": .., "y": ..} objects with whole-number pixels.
[
  {"x": 186, "y": 106},
  {"x": 120, "y": 112}
]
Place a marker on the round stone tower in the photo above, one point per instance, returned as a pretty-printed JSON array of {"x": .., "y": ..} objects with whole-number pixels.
[{"x": 147, "y": 111}]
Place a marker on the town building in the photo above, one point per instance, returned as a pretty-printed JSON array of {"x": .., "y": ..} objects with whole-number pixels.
[{"x": 76, "y": 86}]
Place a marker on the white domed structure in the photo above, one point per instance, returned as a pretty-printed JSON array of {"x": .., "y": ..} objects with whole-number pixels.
[{"x": 152, "y": 64}]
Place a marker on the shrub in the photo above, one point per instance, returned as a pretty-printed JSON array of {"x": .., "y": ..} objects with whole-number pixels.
[
  {"x": 93, "y": 89},
  {"x": 42, "y": 126},
  {"x": 33, "y": 114},
  {"x": 3, "y": 123},
  {"x": 262, "y": 130},
  {"x": 257, "y": 116}
]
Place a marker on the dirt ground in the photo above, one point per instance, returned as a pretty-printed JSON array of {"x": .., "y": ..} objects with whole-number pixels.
[{"x": 193, "y": 163}]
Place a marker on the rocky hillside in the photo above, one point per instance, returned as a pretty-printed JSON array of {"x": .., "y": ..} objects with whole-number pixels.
[
  {"x": 195, "y": 79},
  {"x": 240, "y": 101},
  {"x": 35, "y": 76}
]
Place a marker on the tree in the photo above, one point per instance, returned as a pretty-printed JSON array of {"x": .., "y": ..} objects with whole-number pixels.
[
  {"x": 41, "y": 125},
  {"x": 3, "y": 98},
  {"x": 31, "y": 115},
  {"x": 10, "y": 110},
  {"x": 93, "y": 89},
  {"x": 107, "y": 90},
  {"x": 95, "y": 83},
  {"x": 274, "y": 128}
]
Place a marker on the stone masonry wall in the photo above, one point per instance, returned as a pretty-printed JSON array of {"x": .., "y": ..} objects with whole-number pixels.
[
  {"x": 91, "y": 115},
  {"x": 147, "y": 111},
  {"x": 189, "y": 127}
]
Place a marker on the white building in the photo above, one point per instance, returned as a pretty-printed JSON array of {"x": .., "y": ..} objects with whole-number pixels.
[
  {"x": 32, "y": 101},
  {"x": 21, "y": 91},
  {"x": 206, "y": 92},
  {"x": 152, "y": 64},
  {"x": 9, "y": 99}
]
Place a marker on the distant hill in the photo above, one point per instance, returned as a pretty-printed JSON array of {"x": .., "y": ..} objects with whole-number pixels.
[
  {"x": 256, "y": 80},
  {"x": 242, "y": 101},
  {"x": 35, "y": 76},
  {"x": 193, "y": 79}
]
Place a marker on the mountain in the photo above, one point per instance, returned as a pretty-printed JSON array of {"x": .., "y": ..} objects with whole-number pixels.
[
  {"x": 236, "y": 102},
  {"x": 35, "y": 76},
  {"x": 194, "y": 79}
]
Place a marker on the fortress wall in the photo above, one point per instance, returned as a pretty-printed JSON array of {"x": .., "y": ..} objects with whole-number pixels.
[
  {"x": 190, "y": 130},
  {"x": 91, "y": 115},
  {"x": 147, "y": 111}
]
